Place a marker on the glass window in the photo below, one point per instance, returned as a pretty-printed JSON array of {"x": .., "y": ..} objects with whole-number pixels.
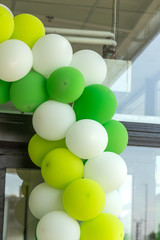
[{"x": 140, "y": 196}]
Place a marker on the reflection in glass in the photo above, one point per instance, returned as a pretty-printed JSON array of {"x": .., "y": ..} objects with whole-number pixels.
[{"x": 19, "y": 223}]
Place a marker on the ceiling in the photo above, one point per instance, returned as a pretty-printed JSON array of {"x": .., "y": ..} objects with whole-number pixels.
[{"x": 134, "y": 22}]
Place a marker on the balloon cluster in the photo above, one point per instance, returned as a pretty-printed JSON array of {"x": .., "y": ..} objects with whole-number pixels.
[{"x": 77, "y": 144}]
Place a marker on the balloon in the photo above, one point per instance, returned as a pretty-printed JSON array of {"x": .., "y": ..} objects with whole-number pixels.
[
  {"x": 108, "y": 169},
  {"x": 58, "y": 226},
  {"x": 24, "y": 188},
  {"x": 86, "y": 138},
  {"x": 28, "y": 29},
  {"x": 44, "y": 199},
  {"x": 113, "y": 203},
  {"x": 97, "y": 102},
  {"x": 60, "y": 167},
  {"x": 15, "y": 60},
  {"x": 4, "y": 91},
  {"x": 50, "y": 52},
  {"x": 65, "y": 84},
  {"x": 31, "y": 176},
  {"x": 1, "y": 5},
  {"x": 91, "y": 65},
  {"x": 84, "y": 199},
  {"x": 117, "y": 136},
  {"x": 52, "y": 119},
  {"x": 29, "y": 92},
  {"x": 6, "y": 23},
  {"x": 39, "y": 147},
  {"x": 20, "y": 212},
  {"x": 103, "y": 227}
]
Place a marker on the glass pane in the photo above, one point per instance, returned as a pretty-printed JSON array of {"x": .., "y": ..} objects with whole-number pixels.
[
  {"x": 140, "y": 196},
  {"x": 141, "y": 215},
  {"x": 19, "y": 223}
]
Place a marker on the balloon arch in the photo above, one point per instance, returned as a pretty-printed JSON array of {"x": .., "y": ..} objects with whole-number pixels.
[{"x": 77, "y": 144}]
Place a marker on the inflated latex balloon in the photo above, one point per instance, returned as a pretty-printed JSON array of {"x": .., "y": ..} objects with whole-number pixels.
[
  {"x": 29, "y": 176},
  {"x": 6, "y": 23},
  {"x": 97, "y": 102},
  {"x": 117, "y": 136},
  {"x": 52, "y": 119},
  {"x": 60, "y": 167},
  {"x": 58, "y": 226},
  {"x": 39, "y": 147},
  {"x": 29, "y": 92},
  {"x": 65, "y": 84},
  {"x": 1, "y": 5},
  {"x": 4, "y": 91},
  {"x": 15, "y": 60},
  {"x": 91, "y": 65},
  {"x": 50, "y": 52},
  {"x": 28, "y": 29},
  {"x": 103, "y": 227},
  {"x": 20, "y": 211},
  {"x": 113, "y": 203},
  {"x": 86, "y": 138},
  {"x": 84, "y": 199},
  {"x": 108, "y": 169},
  {"x": 44, "y": 199}
]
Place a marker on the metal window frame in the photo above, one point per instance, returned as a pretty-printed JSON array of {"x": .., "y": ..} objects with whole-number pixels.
[{"x": 16, "y": 130}]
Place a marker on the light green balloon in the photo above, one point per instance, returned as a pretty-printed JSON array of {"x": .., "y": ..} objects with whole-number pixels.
[
  {"x": 39, "y": 147},
  {"x": 66, "y": 84},
  {"x": 117, "y": 136},
  {"x": 29, "y": 92},
  {"x": 4, "y": 91}
]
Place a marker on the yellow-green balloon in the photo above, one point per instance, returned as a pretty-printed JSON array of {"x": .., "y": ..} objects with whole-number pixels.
[
  {"x": 84, "y": 199},
  {"x": 60, "y": 167},
  {"x": 117, "y": 136},
  {"x": 28, "y": 29},
  {"x": 39, "y": 147},
  {"x": 103, "y": 227},
  {"x": 6, "y": 24}
]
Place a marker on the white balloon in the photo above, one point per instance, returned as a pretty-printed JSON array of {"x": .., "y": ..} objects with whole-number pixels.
[
  {"x": 52, "y": 119},
  {"x": 91, "y": 65},
  {"x": 113, "y": 203},
  {"x": 16, "y": 60},
  {"x": 58, "y": 226},
  {"x": 44, "y": 199},
  {"x": 1, "y": 5},
  {"x": 87, "y": 138},
  {"x": 108, "y": 169},
  {"x": 50, "y": 52}
]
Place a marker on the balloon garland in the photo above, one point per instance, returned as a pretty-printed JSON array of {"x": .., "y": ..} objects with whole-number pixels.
[{"x": 76, "y": 145}]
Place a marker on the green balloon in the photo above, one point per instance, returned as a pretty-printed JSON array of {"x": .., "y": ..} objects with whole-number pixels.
[
  {"x": 36, "y": 232},
  {"x": 29, "y": 92},
  {"x": 4, "y": 91},
  {"x": 117, "y": 136},
  {"x": 66, "y": 84},
  {"x": 39, "y": 147},
  {"x": 97, "y": 102}
]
